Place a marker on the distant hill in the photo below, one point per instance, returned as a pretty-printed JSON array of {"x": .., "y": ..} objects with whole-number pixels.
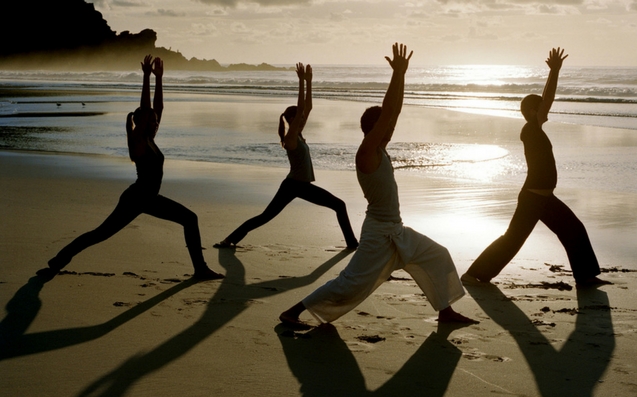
[{"x": 73, "y": 35}]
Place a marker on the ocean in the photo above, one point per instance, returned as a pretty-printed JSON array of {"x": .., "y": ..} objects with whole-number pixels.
[{"x": 231, "y": 117}]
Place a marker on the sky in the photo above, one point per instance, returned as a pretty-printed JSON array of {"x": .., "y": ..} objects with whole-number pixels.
[{"x": 361, "y": 32}]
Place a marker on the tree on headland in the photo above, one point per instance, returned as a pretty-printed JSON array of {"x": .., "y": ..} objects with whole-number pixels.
[{"x": 73, "y": 35}]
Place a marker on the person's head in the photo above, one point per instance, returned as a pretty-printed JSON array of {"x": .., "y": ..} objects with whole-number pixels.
[
  {"x": 529, "y": 106},
  {"x": 288, "y": 115},
  {"x": 369, "y": 118},
  {"x": 145, "y": 121}
]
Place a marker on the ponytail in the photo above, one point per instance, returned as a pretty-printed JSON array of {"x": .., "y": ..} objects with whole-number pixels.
[
  {"x": 281, "y": 128},
  {"x": 288, "y": 115},
  {"x": 129, "y": 133}
]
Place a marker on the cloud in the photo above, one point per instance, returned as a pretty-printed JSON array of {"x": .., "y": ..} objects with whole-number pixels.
[
  {"x": 452, "y": 38},
  {"x": 201, "y": 29},
  {"x": 128, "y": 3},
  {"x": 474, "y": 34},
  {"x": 239, "y": 27},
  {"x": 263, "y": 3},
  {"x": 170, "y": 13},
  {"x": 495, "y": 3},
  {"x": 337, "y": 17}
]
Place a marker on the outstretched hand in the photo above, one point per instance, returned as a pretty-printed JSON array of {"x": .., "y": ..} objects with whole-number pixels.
[
  {"x": 308, "y": 73},
  {"x": 147, "y": 65},
  {"x": 300, "y": 71},
  {"x": 555, "y": 59},
  {"x": 158, "y": 67},
  {"x": 400, "y": 63}
]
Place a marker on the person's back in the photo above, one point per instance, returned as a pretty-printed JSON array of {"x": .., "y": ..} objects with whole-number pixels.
[
  {"x": 301, "y": 168},
  {"x": 150, "y": 168},
  {"x": 381, "y": 192}
]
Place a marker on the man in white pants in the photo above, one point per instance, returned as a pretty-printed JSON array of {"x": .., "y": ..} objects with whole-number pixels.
[{"x": 385, "y": 244}]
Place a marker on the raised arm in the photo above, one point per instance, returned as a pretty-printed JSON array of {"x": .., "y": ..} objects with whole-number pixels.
[
  {"x": 554, "y": 61},
  {"x": 297, "y": 124},
  {"x": 308, "y": 91},
  {"x": 147, "y": 66},
  {"x": 158, "y": 100},
  {"x": 368, "y": 155}
]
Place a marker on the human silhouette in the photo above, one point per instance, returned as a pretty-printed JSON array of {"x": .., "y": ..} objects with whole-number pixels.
[
  {"x": 324, "y": 365},
  {"x": 386, "y": 244},
  {"x": 298, "y": 182},
  {"x": 143, "y": 195},
  {"x": 536, "y": 201},
  {"x": 571, "y": 368}
]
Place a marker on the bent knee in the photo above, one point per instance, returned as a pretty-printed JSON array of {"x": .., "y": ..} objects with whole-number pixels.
[
  {"x": 339, "y": 205},
  {"x": 190, "y": 218}
]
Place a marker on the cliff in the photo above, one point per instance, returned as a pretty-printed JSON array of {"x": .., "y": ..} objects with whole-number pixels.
[{"x": 73, "y": 35}]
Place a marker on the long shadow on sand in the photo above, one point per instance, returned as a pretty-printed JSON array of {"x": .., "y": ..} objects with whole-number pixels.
[
  {"x": 25, "y": 305},
  {"x": 217, "y": 314},
  {"x": 577, "y": 367},
  {"x": 324, "y": 365}
]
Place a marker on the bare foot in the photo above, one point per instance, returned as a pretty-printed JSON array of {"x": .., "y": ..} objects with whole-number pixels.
[
  {"x": 207, "y": 274},
  {"x": 448, "y": 315},
  {"x": 468, "y": 279},
  {"x": 592, "y": 282},
  {"x": 293, "y": 322},
  {"x": 224, "y": 244}
]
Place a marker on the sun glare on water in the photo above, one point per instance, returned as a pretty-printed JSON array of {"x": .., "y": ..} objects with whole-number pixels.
[
  {"x": 479, "y": 89},
  {"x": 465, "y": 161},
  {"x": 479, "y": 162}
]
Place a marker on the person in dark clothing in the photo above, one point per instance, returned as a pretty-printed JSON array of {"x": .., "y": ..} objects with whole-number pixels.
[
  {"x": 142, "y": 196},
  {"x": 298, "y": 183},
  {"x": 536, "y": 201}
]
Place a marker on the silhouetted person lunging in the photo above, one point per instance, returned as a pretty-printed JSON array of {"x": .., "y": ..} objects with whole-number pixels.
[
  {"x": 298, "y": 183},
  {"x": 536, "y": 201},
  {"x": 142, "y": 196},
  {"x": 386, "y": 244}
]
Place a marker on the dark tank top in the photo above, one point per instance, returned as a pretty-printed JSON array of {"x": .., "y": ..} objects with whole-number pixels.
[
  {"x": 538, "y": 151},
  {"x": 150, "y": 168},
  {"x": 300, "y": 162}
]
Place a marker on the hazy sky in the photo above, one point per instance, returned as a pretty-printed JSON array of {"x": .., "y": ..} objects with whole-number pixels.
[{"x": 594, "y": 32}]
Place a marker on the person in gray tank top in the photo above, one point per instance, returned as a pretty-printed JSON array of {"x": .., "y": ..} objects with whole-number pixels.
[
  {"x": 298, "y": 182},
  {"x": 386, "y": 244}
]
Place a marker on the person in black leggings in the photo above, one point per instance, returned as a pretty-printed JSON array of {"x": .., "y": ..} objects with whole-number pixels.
[
  {"x": 142, "y": 196},
  {"x": 298, "y": 183},
  {"x": 536, "y": 201}
]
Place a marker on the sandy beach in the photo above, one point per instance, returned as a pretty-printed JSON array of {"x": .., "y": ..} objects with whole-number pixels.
[{"x": 127, "y": 319}]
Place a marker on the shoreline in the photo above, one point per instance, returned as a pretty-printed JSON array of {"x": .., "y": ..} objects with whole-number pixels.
[{"x": 438, "y": 206}]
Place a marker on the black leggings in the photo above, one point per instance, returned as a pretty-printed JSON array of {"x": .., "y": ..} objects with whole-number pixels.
[
  {"x": 288, "y": 191},
  {"x": 558, "y": 218},
  {"x": 134, "y": 201}
]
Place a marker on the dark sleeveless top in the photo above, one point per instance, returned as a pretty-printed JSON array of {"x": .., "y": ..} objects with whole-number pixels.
[
  {"x": 150, "y": 168},
  {"x": 538, "y": 151},
  {"x": 300, "y": 162}
]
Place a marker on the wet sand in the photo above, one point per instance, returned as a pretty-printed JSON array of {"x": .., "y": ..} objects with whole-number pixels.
[{"x": 126, "y": 318}]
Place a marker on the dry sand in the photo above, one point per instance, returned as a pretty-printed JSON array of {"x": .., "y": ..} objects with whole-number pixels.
[{"x": 127, "y": 319}]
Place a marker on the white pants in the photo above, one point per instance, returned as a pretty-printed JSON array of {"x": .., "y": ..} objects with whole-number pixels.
[{"x": 385, "y": 247}]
